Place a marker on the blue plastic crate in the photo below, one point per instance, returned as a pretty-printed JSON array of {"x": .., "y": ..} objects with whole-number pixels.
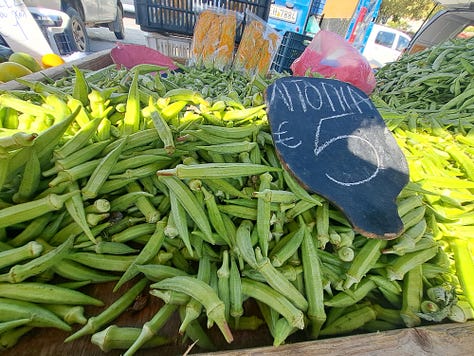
[
  {"x": 179, "y": 16},
  {"x": 291, "y": 47}
]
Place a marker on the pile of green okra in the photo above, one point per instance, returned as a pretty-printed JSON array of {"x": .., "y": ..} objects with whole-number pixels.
[{"x": 173, "y": 182}]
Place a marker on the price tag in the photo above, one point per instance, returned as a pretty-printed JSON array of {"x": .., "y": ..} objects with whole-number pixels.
[
  {"x": 332, "y": 139},
  {"x": 20, "y": 30}
]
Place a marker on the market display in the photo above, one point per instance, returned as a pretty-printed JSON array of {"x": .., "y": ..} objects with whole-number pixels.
[{"x": 171, "y": 184}]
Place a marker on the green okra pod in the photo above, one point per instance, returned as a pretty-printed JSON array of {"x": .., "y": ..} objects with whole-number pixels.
[
  {"x": 275, "y": 300},
  {"x": 133, "y": 232},
  {"x": 350, "y": 297},
  {"x": 146, "y": 254},
  {"x": 180, "y": 221},
  {"x": 12, "y": 256},
  {"x": 101, "y": 172},
  {"x": 236, "y": 309},
  {"x": 244, "y": 244},
  {"x": 45, "y": 293},
  {"x": 158, "y": 272},
  {"x": 312, "y": 274},
  {"x": 75, "y": 208},
  {"x": 29, "y": 210},
  {"x": 216, "y": 170},
  {"x": 412, "y": 296},
  {"x": 122, "y": 338},
  {"x": 30, "y": 179},
  {"x": 279, "y": 282},
  {"x": 287, "y": 246},
  {"x": 144, "y": 204},
  {"x": 193, "y": 307},
  {"x": 151, "y": 328},
  {"x": 75, "y": 271},
  {"x": 13, "y": 324},
  {"x": 403, "y": 264},
  {"x": 349, "y": 322},
  {"x": 113, "y": 311},
  {"x": 223, "y": 279},
  {"x": 264, "y": 214},
  {"x": 40, "y": 264},
  {"x": 80, "y": 139},
  {"x": 190, "y": 203},
  {"x": 71, "y": 314},
  {"x": 196, "y": 333},
  {"x": 33, "y": 230},
  {"x": 11, "y": 309},
  {"x": 201, "y": 291},
  {"x": 113, "y": 263},
  {"x": 364, "y": 260}
]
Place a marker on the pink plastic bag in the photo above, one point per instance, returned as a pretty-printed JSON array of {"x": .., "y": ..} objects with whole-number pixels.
[{"x": 333, "y": 57}]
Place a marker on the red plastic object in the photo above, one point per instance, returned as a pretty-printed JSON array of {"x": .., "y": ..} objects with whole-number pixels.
[
  {"x": 333, "y": 57},
  {"x": 130, "y": 55}
]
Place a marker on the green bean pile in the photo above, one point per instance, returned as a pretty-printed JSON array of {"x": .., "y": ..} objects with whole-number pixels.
[
  {"x": 435, "y": 82},
  {"x": 173, "y": 183}
]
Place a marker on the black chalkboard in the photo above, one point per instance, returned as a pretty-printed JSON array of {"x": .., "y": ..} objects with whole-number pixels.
[{"x": 331, "y": 138}]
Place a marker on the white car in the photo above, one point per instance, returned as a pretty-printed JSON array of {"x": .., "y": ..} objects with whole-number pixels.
[
  {"x": 384, "y": 45},
  {"x": 81, "y": 14}
]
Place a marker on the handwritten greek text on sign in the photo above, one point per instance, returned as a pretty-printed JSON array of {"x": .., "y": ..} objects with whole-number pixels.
[
  {"x": 330, "y": 136},
  {"x": 20, "y": 30}
]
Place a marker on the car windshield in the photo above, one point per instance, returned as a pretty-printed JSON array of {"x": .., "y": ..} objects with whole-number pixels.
[{"x": 385, "y": 38}]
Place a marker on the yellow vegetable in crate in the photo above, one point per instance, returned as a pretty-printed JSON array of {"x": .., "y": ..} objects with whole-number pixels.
[{"x": 214, "y": 39}]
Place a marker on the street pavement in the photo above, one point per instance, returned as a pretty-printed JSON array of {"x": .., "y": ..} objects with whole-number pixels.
[{"x": 102, "y": 38}]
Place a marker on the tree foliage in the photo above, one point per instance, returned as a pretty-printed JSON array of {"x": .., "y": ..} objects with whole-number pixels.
[{"x": 405, "y": 9}]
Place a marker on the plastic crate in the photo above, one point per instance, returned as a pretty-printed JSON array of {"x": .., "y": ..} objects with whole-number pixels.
[
  {"x": 175, "y": 47},
  {"x": 179, "y": 16},
  {"x": 291, "y": 47}
]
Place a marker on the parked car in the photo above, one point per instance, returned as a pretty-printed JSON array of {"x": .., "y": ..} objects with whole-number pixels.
[
  {"x": 384, "y": 44},
  {"x": 55, "y": 26},
  {"x": 455, "y": 19},
  {"x": 83, "y": 14}
]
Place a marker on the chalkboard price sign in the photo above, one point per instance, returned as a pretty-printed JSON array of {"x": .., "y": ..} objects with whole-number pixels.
[{"x": 332, "y": 139}]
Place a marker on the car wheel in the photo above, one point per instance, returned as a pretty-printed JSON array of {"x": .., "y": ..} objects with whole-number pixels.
[
  {"x": 77, "y": 31},
  {"x": 119, "y": 28}
]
